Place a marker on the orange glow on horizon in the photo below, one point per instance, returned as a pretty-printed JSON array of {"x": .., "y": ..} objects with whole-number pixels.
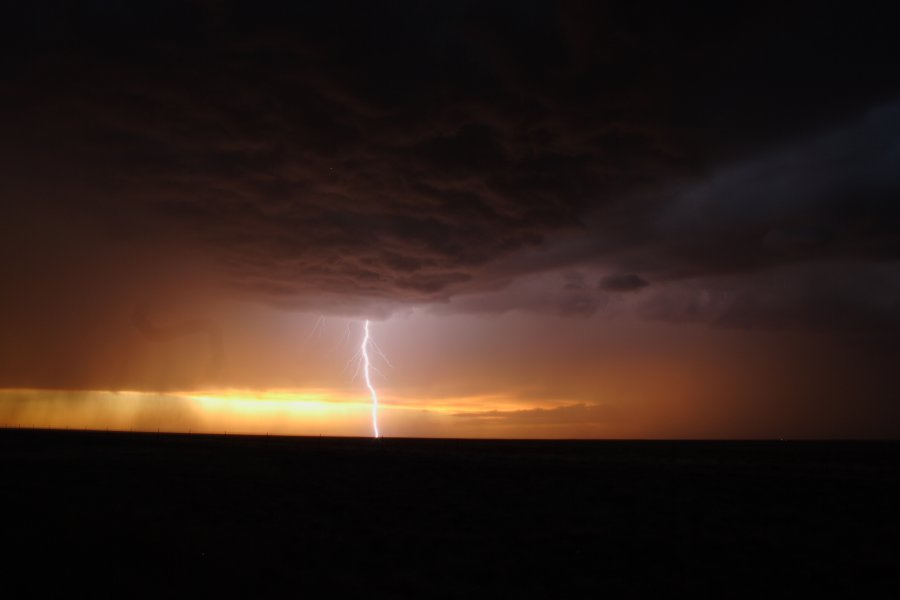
[{"x": 277, "y": 412}]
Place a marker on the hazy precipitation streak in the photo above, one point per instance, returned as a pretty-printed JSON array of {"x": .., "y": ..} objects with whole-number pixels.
[{"x": 365, "y": 355}]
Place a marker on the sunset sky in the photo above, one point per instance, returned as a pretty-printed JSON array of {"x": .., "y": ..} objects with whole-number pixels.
[{"x": 562, "y": 219}]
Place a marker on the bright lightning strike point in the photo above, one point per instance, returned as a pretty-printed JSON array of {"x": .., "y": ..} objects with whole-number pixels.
[{"x": 364, "y": 350}]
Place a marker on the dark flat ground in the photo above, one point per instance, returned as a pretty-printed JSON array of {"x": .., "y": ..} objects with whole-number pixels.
[{"x": 149, "y": 514}]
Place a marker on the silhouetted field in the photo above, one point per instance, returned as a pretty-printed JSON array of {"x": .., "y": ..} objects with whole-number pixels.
[{"x": 149, "y": 514}]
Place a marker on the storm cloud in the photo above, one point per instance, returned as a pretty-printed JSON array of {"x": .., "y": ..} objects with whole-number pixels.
[
  {"x": 735, "y": 167},
  {"x": 395, "y": 152}
]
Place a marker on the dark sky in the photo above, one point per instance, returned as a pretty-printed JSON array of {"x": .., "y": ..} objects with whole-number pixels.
[{"x": 657, "y": 175}]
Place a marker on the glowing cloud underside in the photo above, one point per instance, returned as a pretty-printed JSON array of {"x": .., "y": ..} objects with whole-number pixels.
[{"x": 364, "y": 350}]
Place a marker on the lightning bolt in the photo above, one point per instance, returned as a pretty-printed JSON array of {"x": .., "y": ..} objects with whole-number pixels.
[{"x": 364, "y": 351}]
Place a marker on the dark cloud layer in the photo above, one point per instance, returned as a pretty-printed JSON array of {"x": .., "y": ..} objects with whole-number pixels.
[
  {"x": 623, "y": 282},
  {"x": 365, "y": 155}
]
